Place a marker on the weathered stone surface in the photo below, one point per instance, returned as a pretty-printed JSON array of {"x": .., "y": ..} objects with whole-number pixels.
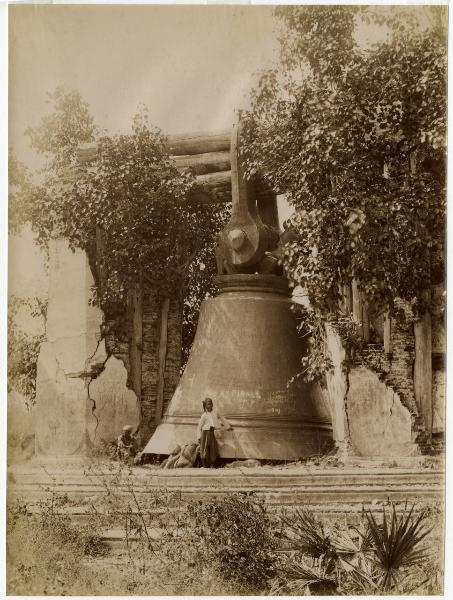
[
  {"x": 337, "y": 386},
  {"x": 61, "y": 407},
  {"x": 439, "y": 401},
  {"x": 379, "y": 424},
  {"x": 114, "y": 405},
  {"x": 20, "y": 428},
  {"x": 67, "y": 358}
]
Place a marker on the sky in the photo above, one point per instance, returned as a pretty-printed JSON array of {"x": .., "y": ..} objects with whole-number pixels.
[{"x": 191, "y": 66}]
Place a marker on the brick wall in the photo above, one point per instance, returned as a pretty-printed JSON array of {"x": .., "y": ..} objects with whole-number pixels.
[
  {"x": 396, "y": 370},
  {"x": 118, "y": 336}
]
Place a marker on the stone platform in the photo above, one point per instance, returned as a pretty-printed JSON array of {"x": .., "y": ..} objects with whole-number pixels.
[
  {"x": 286, "y": 485},
  {"x": 332, "y": 494}
]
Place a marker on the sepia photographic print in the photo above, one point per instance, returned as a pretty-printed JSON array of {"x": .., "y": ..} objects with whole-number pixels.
[{"x": 226, "y": 332}]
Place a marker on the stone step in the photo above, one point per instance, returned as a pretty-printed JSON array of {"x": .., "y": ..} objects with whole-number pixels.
[{"x": 349, "y": 487}]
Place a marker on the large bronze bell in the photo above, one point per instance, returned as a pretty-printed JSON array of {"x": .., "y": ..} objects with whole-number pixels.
[{"x": 246, "y": 352}]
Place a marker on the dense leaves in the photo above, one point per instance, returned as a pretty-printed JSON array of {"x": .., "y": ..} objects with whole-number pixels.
[
  {"x": 23, "y": 348},
  {"x": 237, "y": 535},
  {"x": 141, "y": 221},
  {"x": 354, "y": 135},
  {"x": 62, "y": 131},
  {"x": 19, "y": 188},
  {"x": 199, "y": 282},
  {"x": 397, "y": 543},
  {"x": 379, "y": 556}
]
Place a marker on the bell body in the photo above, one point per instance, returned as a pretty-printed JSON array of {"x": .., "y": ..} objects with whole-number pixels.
[{"x": 245, "y": 353}]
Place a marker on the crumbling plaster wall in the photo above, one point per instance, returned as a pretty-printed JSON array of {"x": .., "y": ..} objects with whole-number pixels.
[
  {"x": 83, "y": 381},
  {"x": 66, "y": 419},
  {"x": 368, "y": 417},
  {"x": 372, "y": 399}
]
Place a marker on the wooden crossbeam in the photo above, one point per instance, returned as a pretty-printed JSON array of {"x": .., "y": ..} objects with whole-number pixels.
[{"x": 207, "y": 155}]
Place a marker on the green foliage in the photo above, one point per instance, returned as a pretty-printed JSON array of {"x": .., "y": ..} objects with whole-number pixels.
[
  {"x": 237, "y": 538},
  {"x": 60, "y": 133},
  {"x": 19, "y": 189},
  {"x": 396, "y": 544},
  {"x": 226, "y": 546},
  {"x": 149, "y": 221},
  {"x": 23, "y": 348},
  {"x": 369, "y": 559},
  {"x": 141, "y": 221},
  {"x": 354, "y": 135},
  {"x": 199, "y": 283},
  {"x": 45, "y": 550}
]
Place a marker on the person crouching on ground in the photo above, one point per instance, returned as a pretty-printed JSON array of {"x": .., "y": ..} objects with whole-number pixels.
[
  {"x": 126, "y": 444},
  {"x": 210, "y": 420}
]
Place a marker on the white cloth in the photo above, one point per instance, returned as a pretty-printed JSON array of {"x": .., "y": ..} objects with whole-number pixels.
[{"x": 211, "y": 419}]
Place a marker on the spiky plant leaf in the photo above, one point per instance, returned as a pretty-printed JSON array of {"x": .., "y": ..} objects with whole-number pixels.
[{"x": 396, "y": 543}]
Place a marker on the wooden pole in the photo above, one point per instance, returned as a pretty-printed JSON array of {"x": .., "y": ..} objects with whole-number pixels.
[
  {"x": 201, "y": 164},
  {"x": 199, "y": 143},
  {"x": 348, "y": 298},
  {"x": 387, "y": 332},
  {"x": 423, "y": 369},
  {"x": 366, "y": 320},
  {"x": 357, "y": 306},
  {"x": 423, "y": 375},
  {"x": 136, "y": 342},
  {"x": 162, "y": 360}
]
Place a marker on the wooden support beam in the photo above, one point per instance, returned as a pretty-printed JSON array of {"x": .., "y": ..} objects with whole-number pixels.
[
  {"x": 216, "y": 180},
  {"x": 177, "y": 145},
  {"x": 357, "y": 305},
  {"x": 136, "y": 339},
  {"x": 199, "y": 143},
  {"x": 387, "y": 332},
  {"x": 423, "y": 375},
  {"x": 345, "y": 302},
  {"x": 201, "y": 164},
  {"x": 365, "y": 320},
  {"x": 267, "y": 207},
  {"x": 162, "y": 360}
]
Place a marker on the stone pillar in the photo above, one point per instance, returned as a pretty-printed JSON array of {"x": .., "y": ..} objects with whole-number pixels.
[
  {"x": 337, "y": 389},
  {"x": 72, "y": 352}
]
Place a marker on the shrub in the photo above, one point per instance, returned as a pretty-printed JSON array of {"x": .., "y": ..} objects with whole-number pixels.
[
  {"x": 235, "y": 534},
  {"x": 373, "y": 558},
  {"x": 45, "y": 550}
]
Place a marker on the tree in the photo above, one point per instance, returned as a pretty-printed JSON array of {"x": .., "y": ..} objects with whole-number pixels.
[
  {"x": 23, "y": 348},
  {"x": 140, "y": 220},
  {"x": 354, "y": 135},
  {"x": 19, "y": 187},
  {"x": 60, "y": 133}
]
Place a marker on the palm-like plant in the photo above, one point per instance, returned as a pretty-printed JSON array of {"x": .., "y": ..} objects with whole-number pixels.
[
  {"x": 396, "y": 544},
  {"x": 310, "y": 536}
]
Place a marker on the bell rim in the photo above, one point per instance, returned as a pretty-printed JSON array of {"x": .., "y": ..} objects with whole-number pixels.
[{"x": 256, "y": 282}]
